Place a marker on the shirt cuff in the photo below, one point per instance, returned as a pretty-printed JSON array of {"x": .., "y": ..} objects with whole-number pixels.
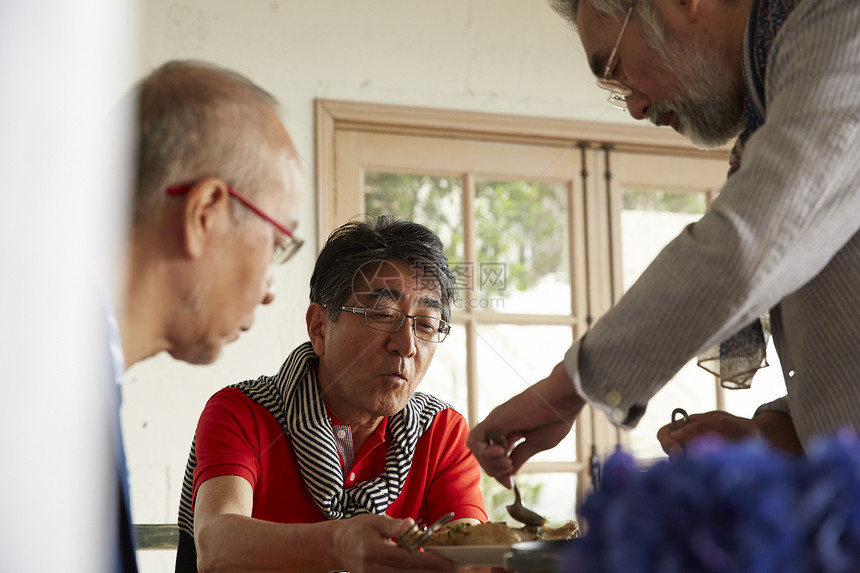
[{"x": 623, "y": 415}]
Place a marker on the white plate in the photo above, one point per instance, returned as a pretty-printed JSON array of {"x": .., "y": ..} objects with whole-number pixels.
[{"x": 486, "y": 555}]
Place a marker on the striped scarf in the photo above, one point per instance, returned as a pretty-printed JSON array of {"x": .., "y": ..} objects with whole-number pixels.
[{"x": 292, "y": 397}]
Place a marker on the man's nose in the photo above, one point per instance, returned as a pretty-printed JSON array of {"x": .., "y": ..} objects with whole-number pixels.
[
  {"x": 269, "y": 293},
  {"x": 404, "y": 341},
  {"x": 637, "y": 105}
]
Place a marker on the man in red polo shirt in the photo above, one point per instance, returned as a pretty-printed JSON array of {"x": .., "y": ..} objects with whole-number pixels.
[{"x": 317, "y": 467}]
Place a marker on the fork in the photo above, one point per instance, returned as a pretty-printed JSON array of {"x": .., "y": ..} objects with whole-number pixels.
[{"x": 413, "y": 538}]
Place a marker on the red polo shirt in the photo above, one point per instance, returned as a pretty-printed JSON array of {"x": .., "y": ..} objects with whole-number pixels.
[{"x": 237, "y": 436}]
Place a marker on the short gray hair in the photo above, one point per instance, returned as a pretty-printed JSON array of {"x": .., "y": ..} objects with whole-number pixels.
[{"x": 194, "y": 120}]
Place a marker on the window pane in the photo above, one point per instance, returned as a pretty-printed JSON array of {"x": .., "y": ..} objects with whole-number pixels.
[
  {"x": 553, "y": 495},
  {"x": 522, "y": 246},
  {"x": 649, "y": 220},
  {"x": 436, "y": 202},
  {"x": 510, "y": 359},
  {"x": 446, "y": 377}
]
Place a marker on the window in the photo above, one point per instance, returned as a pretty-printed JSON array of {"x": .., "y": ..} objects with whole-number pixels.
[
  {"x": 657, "y": 196},
  {"x": 545, "y": 223}
]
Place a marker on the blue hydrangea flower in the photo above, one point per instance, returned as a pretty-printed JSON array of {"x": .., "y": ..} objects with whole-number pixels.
[{"x": 726, "y": 508}]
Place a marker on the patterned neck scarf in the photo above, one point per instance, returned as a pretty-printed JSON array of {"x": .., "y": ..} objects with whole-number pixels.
[
  {"x": 737, "y": 359},
  {"x": 292, "y": 397}
]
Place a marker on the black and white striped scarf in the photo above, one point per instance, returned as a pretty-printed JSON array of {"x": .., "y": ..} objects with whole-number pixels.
[{"x": 292, "y": 397}]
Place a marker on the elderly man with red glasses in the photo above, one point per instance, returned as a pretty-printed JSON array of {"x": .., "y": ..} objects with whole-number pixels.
[
  {"x": 215, "y": 202},
  {"x": 782, "y": 238},
  {"x": 318, "y": 466}
]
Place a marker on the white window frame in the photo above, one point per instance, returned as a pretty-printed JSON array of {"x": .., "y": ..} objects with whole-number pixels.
[{"x": 611, "y": 157}]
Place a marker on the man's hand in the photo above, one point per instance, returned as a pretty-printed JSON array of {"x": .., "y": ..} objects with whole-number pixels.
[
  {"x": 363, "y": 544},
  {"x": 717, "y": 422},
  {"x": 775, "y": 427},
  {"x": 540, "y": 417}
]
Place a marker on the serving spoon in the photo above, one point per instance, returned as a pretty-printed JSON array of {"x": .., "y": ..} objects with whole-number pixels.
[{"x": 516, "y": 510}]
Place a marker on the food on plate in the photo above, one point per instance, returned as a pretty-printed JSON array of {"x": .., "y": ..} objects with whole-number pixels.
[{"x": 500, "y": 533}]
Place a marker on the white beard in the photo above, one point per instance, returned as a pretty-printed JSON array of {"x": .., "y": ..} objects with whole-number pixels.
[{"x": 711, "y": 112}]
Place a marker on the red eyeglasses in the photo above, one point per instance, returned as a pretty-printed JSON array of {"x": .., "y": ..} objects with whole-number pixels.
[{"x": 282, "y": 253}]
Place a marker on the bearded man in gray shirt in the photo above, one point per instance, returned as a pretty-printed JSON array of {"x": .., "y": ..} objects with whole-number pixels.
[{"x": 781, "y": 237}]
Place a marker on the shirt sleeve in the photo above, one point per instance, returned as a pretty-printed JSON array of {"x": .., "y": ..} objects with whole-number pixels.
[
  {"x": 226, "y": 439},
  {"x": 455, "y": 485},
  {"x": 776, "y": 224}
]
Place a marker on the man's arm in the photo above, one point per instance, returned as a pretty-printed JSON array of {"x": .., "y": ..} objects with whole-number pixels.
[
  {"x": 229, "y": 539},
  {"x": 777, "y": 222}
]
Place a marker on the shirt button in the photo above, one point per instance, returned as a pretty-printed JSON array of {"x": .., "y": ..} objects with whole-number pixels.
[
  {"x": 613, "y": 398},
  {"x": 351, "y": 476},
  {"x": 341, "y": 434}
]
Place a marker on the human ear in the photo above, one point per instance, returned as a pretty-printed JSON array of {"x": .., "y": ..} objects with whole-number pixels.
[
  {"x": 316, "y": 318},
  {"x": 207, "y": 209}
]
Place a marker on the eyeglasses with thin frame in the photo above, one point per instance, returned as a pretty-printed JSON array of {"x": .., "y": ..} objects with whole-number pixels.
[
  {"x": 386, "y": 319},
  {"x": 282, "y": 253},
  {"x": 618, "y": 92}
]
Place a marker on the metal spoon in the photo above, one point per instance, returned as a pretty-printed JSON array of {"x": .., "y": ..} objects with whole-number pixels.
[{"x": 516, "y": 510}]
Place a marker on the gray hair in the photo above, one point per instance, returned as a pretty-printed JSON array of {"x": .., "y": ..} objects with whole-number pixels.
[
  {"x": 359, "y": 244},
  {"x": 652, "y": 27},
  {"x": 196, "y": 120}
]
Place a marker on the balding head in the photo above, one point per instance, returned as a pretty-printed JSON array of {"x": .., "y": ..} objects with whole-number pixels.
[
  {"x": 197, "y": 120},
  {"x": 200, "y": 254}
]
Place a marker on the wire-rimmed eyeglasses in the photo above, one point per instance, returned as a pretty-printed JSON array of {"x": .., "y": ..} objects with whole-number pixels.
[
  {"x": 282, "y": 252},
  {"x": 618, "y": 92},
  {"x": 386, "y": 319}
]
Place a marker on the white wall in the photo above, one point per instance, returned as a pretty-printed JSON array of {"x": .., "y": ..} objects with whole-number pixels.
[{"x": 502, "y": 56}]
